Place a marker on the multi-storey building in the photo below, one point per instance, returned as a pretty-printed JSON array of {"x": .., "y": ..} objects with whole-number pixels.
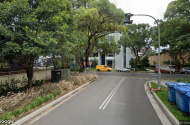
[{"x": 115, "y": 60}]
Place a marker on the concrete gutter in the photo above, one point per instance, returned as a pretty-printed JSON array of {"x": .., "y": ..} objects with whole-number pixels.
[
  {"x": 164, "y": 108},
  {"x": 40, "y": 110}
]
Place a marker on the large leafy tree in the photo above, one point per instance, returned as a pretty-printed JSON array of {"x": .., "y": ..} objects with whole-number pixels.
[
  {"x": 175, "y": 31},
  {"x": 97, "y": 21},
  {"x": 139, "y": 37},
  {"x": 57, "y": 27},
  {"x": 178, "y": 9},
  {"x": 28, "y": 28},
  {"x": 108, "y": 46}
]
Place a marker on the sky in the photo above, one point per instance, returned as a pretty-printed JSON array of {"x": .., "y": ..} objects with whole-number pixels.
[{"x": 155, "y": 8}]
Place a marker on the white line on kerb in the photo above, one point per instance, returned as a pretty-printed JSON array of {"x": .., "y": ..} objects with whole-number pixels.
[{"x": 105, "y": 103}]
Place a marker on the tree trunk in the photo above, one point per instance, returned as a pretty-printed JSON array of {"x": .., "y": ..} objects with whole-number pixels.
[
  {"x": 81, "y": 62},
  {"x": 136, "y": 64},
  {"x": 30, "y": 72},
  {"x": 82, "y": 68},
  {"x": 54, "y": 62}
]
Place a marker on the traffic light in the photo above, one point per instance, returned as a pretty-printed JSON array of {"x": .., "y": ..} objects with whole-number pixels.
[{"x": 127, "y": 18}]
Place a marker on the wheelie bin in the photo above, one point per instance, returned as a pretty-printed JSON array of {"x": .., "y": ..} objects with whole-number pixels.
[
  {"x": 171, "y": 91},
  {"x": 181, "y": 98},
  {"x": 188, "y": 96}
]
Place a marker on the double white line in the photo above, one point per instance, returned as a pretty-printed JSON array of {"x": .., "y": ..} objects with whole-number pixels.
[{"x": 105, "y": 103}]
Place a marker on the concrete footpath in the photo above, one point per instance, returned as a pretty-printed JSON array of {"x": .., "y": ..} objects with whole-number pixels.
[{"x": 166, "y": 117}]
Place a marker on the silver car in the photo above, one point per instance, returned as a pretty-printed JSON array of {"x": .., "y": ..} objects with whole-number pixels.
[
  {"x": 123, "y": 70},
  {"x": 185, "y": 70}
]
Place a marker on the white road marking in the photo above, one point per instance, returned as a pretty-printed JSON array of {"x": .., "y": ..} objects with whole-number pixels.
[{"x": 105, "y": 103}]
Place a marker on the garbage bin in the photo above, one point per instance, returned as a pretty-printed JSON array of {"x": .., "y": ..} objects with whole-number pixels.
[
  {"x": 181, "y": 99},
  {"x": 171, "y": 91},
  {"x": 56, "y": 75},
  {"x": 188, "y": 96}
]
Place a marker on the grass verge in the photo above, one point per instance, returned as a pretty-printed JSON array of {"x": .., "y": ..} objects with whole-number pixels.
[{"x": 172, "y": 108}]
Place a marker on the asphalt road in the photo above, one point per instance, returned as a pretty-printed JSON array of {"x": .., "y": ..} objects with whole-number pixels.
[{"x": 115, "y": 99}]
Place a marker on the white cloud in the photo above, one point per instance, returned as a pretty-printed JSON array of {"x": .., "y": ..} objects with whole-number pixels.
[{"x": 155, "y": 8}]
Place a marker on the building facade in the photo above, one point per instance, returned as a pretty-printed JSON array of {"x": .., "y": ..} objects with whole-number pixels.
[{"x": 115, "y": 61}]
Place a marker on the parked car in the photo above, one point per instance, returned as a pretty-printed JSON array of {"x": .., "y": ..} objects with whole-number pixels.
[
  {"x": 123, "y": 70},
  {"x": 103, "y": 68},
  {"x": 185, "y": 70},
  {"x": 165, "y": 69}
]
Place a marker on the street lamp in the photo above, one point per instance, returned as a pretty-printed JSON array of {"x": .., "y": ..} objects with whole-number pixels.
[{"x": 128, "y": 21}]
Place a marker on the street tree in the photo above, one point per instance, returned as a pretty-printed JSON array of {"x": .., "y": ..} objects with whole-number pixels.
[
  {"x": 56, "y": 25},
  {"x": 175, "y": 31},
  {"x": 97, "y": 21},
  {"x": 26, "y": 30},
  {"x": 139, "y": 39},
  {"x": 144, "y": 62},
  {"x": 178, "y": 9},
  {"x": 108, "y": 46}
]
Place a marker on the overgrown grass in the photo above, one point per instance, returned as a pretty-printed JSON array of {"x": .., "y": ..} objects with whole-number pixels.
[
  {"x": 16, "y": 105},
  {"x": 34, "y": 104},
  {"x": 172, "y": 108}
]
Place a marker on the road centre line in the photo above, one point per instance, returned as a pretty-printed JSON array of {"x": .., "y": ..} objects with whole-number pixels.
[{"x": 106, "y": 101}]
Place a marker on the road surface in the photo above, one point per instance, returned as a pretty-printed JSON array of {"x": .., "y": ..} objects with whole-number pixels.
[{"x": 114, "y": 99}]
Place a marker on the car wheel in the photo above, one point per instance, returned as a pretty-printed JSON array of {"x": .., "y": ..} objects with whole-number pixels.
[
  {"x": 186, "y": 72},
  {"x": 98, "y": 70},
  {"x": 108, "y": 70}
]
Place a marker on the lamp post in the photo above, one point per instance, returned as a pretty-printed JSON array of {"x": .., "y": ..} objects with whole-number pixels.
[{"x": 128, "y": 21}]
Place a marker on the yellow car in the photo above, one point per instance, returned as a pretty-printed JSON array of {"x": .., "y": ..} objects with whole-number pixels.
[{"x": 103, "y": 68}]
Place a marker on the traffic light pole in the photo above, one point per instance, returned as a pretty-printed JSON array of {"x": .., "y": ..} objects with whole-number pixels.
[{"x": 128, "y": 15}]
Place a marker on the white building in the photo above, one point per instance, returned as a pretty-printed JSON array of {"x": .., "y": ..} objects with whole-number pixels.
[{"x": 115, "y": 60}]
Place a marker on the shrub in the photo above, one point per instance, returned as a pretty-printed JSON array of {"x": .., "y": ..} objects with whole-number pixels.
[
  {"x": 17, "y": 112},
  {"x": 7, "y": 116}
]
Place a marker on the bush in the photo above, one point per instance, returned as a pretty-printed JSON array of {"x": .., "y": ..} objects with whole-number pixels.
[
  {"x": 7, "y": 116},
  {"x": 38, "y": 82},
  {"x": 75, "y": 68},
  {"x": 17, "y": 112},
  {"x": 186, "y": 65}
]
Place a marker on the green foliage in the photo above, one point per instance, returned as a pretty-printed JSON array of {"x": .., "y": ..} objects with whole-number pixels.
[
  {"x": 95, "y": 22},
  {"x": 30, "y": 29},
  {"x": 94, "y": 63},
  {"x": 175, "y": 31},
  {"x": 144, "y": 62},
  {"x": 17, "y": 112},
  {"x": 140, "y": 37},
  {"x": 108, "y": 46},
  {"x": 34, "y": 104},
  {"x": 7, "y": 116},
  {"x": 38, "y": 82},
  {"x": 132, "y": 63},
  {"x": 187, "y": 79},
  {"x": 178, "y": 9},
  {"x": 13, "y": 86},
  {"x": 186, "y": 65}
]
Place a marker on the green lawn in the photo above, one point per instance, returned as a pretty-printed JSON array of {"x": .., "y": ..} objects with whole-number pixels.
[{"x": 173, "y": 108}]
